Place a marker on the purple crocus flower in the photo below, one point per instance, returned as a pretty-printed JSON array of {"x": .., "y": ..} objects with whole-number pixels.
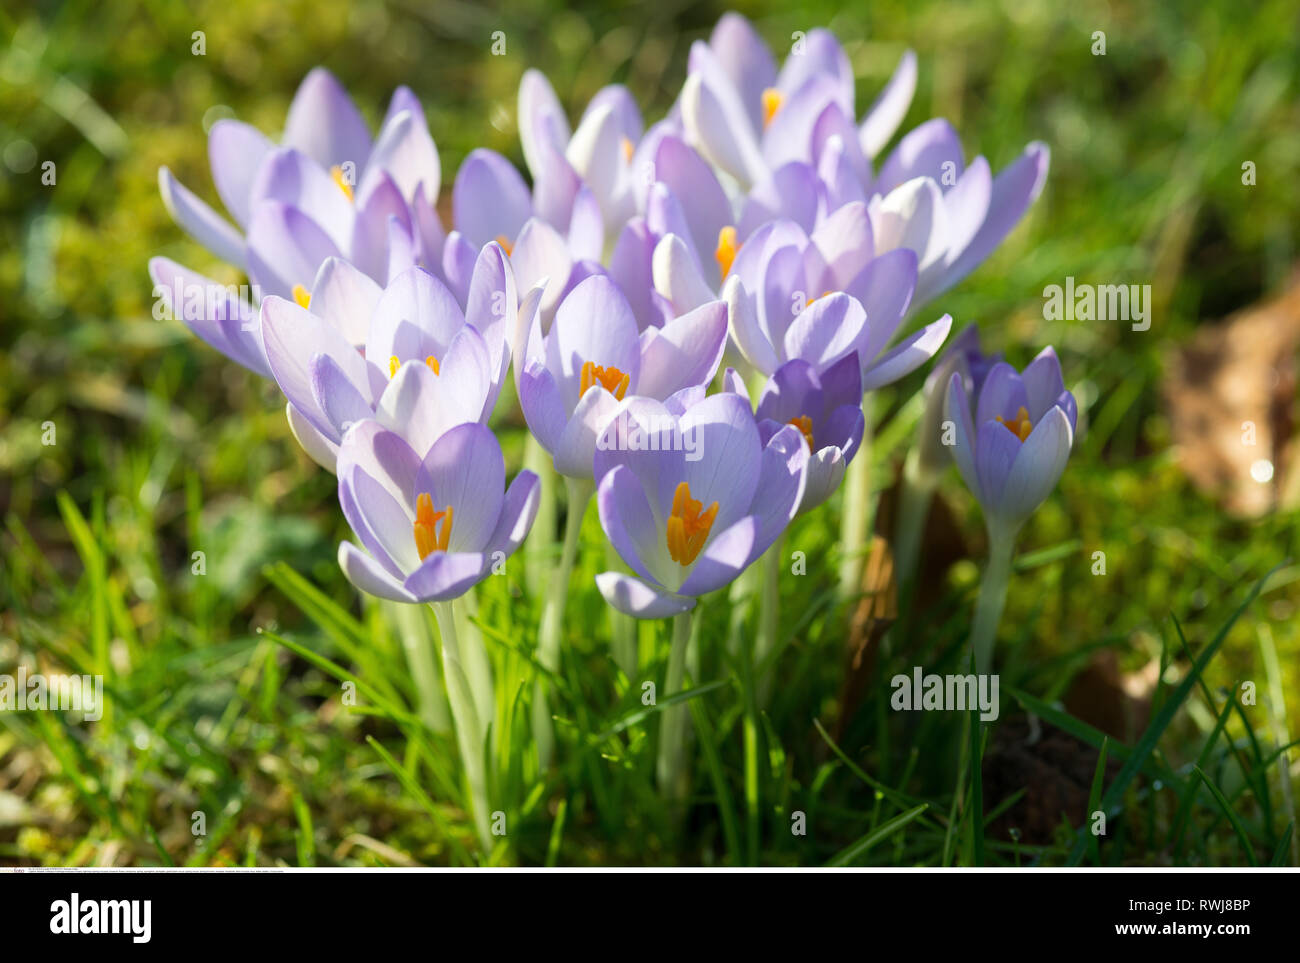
[
  {"x": 1012, "y": 453},
  {"x": 823, "y": 297},
  {"x": 419, "y": 366},
  {"x": 602, "y": 155},
  {"x": 744, "y": 116},
  {"x": 688, "y": 527},
  {"x": 961, "y": 354},
  {"x": 571, "y": 379},
  {"x": 827, "y": 410},
  {"x": 434, "y": 526},
  {"x": 326, "y": 189},
  {"x": 687, "y": 200},
  {"x": 927, "y": 199}
]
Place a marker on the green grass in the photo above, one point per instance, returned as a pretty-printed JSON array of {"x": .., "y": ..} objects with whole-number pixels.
[{"x": 225, "y": 689}]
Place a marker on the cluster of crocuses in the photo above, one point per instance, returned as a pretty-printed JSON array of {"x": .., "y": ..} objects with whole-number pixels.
[{"x": 760, "y": 221}]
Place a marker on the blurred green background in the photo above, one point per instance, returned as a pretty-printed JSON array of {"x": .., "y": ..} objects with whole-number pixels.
[{"x": 162, "y": 445}]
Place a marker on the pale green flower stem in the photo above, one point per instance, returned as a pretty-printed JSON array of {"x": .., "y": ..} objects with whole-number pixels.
[
  {"x": 913, "y": 509},
  {"x": 769, "y": 612},
  {"x": 670, "y": 766},
  {"x": 992, "y": 597},
  {"x": 536, "y": 563},
  {"x": 471, "y": 731},
  {"x": 411, "y": 623},
  {"x": 855, "y": 521},
  {"x": 478, "y": 667},
  {"x": 552, "y": 627}
]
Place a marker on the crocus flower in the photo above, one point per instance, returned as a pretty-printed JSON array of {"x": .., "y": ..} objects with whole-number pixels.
[
  {"x": 419, "y": 366},
  {"x": 744, "y": 116},
  {"x": 688, "y": 201},
  {"x": 601, "y": 155},
  {"x": 827, "y": 410},
  {"x": 823, "y": 297},
  {"x": 688, "y": 527},
  {"x": 571, "y": 379},
  {"x": 961, "y": 354},
  {"x": 434, "y": 526},
  {"x": 1012, "y": 453},
  {"x": 927, "y": 199},
  {"x": 326, "y": 189}
]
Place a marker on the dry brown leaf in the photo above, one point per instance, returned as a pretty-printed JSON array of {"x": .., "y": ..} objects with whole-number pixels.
[{"x": 1233, "y": 384}]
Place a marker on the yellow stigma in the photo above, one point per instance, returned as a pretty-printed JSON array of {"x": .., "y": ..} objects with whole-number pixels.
[
  {"x": 1020, "y": 425},
  {"x": 627, "y": 150},
  {"x": 394, "y": 363},
  {"x": 505, "y": 244},
  {"x": 804, "y": 424},
  {"x": 772, "y": 101},
  {"x": 336, "y": 172},
  {"x": 688, "y": 527},
  {"x": 611, "y": 379},
  {"x": 301, "y": 296},
  {"x": 727, "y": 248},
  {"x": 428, "y": 537}
]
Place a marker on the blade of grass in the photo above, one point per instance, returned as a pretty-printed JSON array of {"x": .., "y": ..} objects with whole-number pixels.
[
  {"x": 850, "y": 853},
  {"x": 1237, "y": 827},
  {"x": 1167, "y": 712}
]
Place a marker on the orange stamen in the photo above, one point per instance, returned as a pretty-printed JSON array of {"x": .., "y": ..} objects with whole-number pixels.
[
  {"x": 336, "y": 172},
  {"x": 301, "y": 297},
  {"x": 611, "y": 379},
  {"x": 394, "y": 363},
  {"x": 428, "y": 537},
  {"x": 688, "y": 526},
  {"x": 772, "y": 101},
  {"x": 627, "y": 150},
  {"x": 804, "y": 424},
  {"x": 505, "y": 244},
  {"x": 726, "y": 250},
  {"x": 1020, "y": 425}
]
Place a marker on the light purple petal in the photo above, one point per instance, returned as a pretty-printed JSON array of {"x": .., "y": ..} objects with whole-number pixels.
[
  {"x": 447, "y": 575},
  {"x": 724, "y": 557},
  {"x": 518, "y": 512},
  {"x": 416, "y": 317},
  {"x": 364, "y": 573},
  {"x": 199, "y": 220},
  {"x": 827, "y": 330},
  {"x": 630, "y": 524},
  {"x": 576, "y": 449},
  {"x": 293, "y": 178},
  {"x": 346, "y": 298},
  {"x": 489, "y": 198},
  {"x": 1014, "y": 189},
  {"x": 745, "y": 58},
  {"x": 885, "y": 115},
  {"x": 684, "y": 352},
  {"x": 285, "y": 248},
  {"x": 465, "y": 469},
  {"x": 324, "y": 124},
  {"x": 1038, "y": 466},
  {"x": 406, "y": 151},
  {"x": 633, "y": 597},
  {"x": 908, "y": 355},
  {"x": 592, "y": 324},
  {"x": 235, "y": 152},
  {"x": 931, "y": 150},
  {"x": 727, "y": 439}
]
